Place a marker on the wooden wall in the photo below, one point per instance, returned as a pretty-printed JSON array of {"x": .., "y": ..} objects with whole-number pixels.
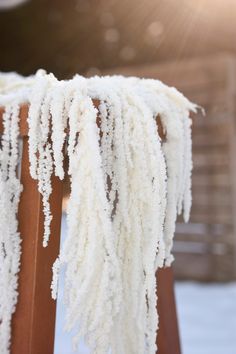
[
  {"x": 205, "y": 249},
  {"x": 76, "y": 36}
]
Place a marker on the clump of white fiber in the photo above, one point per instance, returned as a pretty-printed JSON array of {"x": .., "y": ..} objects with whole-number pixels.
[{"x": 128, "y": 184}]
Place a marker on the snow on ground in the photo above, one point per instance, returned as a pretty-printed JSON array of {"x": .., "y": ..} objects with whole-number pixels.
[{"x": 207, "y": 318}]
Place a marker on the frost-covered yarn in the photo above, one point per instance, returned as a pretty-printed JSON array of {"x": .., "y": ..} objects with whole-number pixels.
[
  {"x": 10, "y": 190},
  {"x": 173, "y": 109},
  {"x": 134, "y": 161},
  {"x": 127, "y": 187},
  {"x": 90, "y": 236}
]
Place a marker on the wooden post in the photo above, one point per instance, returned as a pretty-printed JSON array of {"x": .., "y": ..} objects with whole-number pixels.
[
  {"x": 168, "y": 341},
  {"x": 168, "y": 334},
  {"x": 33, "y": 323}
]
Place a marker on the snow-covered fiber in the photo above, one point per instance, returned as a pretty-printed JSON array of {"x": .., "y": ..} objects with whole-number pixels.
[{"x": 127, "y": 187}]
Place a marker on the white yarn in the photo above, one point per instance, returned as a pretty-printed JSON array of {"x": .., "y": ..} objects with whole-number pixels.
[
  {"x": 173, "y": 109},
  {"x": 136, "y": 147},
  {"x": 90, "y": 235},
  {"x": 127, "y": 186},
  {"x": 40, "y": 147},
  {"x": 10, "y": 190},
  {"x": 59, "y": 124}
]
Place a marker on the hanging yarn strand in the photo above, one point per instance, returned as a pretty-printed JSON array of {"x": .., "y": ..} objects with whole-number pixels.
[
  {"x": 10, "y": 190},
  {"x": 127, "y": 187},
  {"x": 40, "y": 150}
]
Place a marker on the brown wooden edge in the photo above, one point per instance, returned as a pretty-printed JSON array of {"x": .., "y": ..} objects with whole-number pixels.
[
  {"x": 34, "y": 320},
  {"x": 168, "y": 341}
]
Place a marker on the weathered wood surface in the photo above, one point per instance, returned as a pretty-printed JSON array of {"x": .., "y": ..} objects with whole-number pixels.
[
  {"x": 34, "y": 320},
  {"x": 91, "y": 35},
  {"x": 168, "y": 341}
]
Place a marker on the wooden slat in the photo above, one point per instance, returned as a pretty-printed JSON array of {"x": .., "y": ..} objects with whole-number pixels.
[
  {"x": 185, "y": 75},
  {"x": 199, "y": 266},
  {"x": 204, "y": 217},
  {"x": 213, "y": 100},
  {"x": 211, "y": 118},
  {"x": 202, "y": 228},
  {"x": 34, "y": 320},
  {"x": 212, "y": 199},
  {"x": 214, "y": 179},
  {"x": 203, "y": 267},
  {"x": 208, "y": 238},
  {"x": 216, "y": 129},
  {"x": 211, "y": 159},
  {"x": 212, "y": 131},
  {"x": 168, "y": 341},
  {"x": 210, "y": 245},
  {"x": 211, "y": 146}
]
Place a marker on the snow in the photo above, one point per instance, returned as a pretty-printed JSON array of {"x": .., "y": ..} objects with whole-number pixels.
[
  {"x": 63, "y": 342},
  {"x": 207, "y": 317}
]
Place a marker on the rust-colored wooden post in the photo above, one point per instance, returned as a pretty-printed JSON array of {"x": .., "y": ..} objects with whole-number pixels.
[
  {"x": 168, "y": 334},
  {"x": 33, "y": 322},
  {"x": 168, "y": 341}
]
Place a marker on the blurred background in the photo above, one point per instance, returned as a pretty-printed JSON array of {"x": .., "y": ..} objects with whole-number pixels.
[{"x": 190, "y": 44}]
